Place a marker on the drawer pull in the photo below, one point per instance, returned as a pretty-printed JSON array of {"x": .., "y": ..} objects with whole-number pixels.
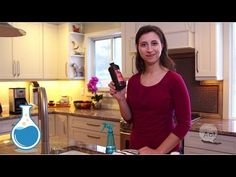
[
  {"x": 214, "y": 142},
  {"x": 95, "y": 125},
  {"x": 95, "y": 137}
]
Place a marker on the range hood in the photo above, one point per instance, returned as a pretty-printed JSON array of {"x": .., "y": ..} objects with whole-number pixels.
[{"x": 7, "y": 30}]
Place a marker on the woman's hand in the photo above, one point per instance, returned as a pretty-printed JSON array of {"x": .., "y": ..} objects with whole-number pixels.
[
  {"x": 147, "y": 150},
  {"x": 119, "y": 95}
]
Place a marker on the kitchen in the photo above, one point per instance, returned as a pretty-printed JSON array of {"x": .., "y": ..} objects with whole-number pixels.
[{"x": 51, "y": 71}]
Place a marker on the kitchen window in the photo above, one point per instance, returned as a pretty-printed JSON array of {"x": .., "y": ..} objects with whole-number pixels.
[{"x": 103, "y": 48}]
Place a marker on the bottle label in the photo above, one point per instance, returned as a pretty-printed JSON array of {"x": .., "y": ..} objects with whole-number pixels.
[{"x": 119, "y": 75}]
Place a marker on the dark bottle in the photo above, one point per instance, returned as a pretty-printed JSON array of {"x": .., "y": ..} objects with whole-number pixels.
[
  {"x": 0, "y": 108},
  {"x": 116, "y": 76}
]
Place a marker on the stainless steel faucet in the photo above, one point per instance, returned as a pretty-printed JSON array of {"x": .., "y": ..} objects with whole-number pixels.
[{"x": 43, "y": 116}]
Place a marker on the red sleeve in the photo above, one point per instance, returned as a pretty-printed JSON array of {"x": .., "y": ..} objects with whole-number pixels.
[{"x": 182, "y": 106}]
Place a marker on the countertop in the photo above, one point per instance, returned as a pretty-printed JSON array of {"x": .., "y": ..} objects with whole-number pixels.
[
  {"x": 103, "y": 114},
  {"x": 223, "y": 126}
]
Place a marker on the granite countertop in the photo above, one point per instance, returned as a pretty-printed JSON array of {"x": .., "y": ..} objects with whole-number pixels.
[
  {"x": 224, "y": 127},
  {"x": 103, "y": 114}
]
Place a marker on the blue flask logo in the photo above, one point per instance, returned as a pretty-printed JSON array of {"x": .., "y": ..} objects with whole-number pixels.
[{"x": 25, "y": 134}]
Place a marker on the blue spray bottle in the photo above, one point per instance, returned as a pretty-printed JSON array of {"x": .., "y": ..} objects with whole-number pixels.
[{"x": 111, "y": 147}]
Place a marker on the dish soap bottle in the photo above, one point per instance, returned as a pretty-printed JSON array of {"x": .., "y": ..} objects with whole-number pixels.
[
  {"x": 116, "y": 76},
  {"x": 110, "y": 147}
]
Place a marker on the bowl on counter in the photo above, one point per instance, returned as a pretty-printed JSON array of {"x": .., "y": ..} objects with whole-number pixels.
[{"x": 79, "y": 104}]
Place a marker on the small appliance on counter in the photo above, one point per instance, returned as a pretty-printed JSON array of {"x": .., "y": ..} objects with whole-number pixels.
[{"x": 17, "y": 97}]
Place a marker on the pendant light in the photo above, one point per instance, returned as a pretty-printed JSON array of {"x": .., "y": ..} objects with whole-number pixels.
[{"x": 7, "y": 30}]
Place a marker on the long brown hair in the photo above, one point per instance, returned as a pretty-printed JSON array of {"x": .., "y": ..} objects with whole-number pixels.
[{"x": 165, "y": 60}]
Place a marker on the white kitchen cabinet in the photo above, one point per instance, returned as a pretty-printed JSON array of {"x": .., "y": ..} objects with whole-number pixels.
[
  {"x": 52, "y": 126},
  {"x": 209, "y": 51},
  {"x": 128, "y": 32},
  {"x": 61, "y": 126},
  {"x": 21, "y": 57},
  {"x": 71, "y": 52},
  {"x": 6, "y": 66},
  {"x": 178, "y": 34},
  {"x": 27, "y": 52},
  {"x": 193, "y": 144},
  {"x": 7, "y": 125},
  {"x": 50, "y": 50},
  {"x": 87, "y": 130}
]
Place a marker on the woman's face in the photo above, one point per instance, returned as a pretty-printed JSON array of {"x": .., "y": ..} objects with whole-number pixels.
[{"x": 150, "y": 47}]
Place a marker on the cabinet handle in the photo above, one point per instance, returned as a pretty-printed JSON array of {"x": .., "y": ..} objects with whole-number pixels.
[
  {"x": 197, "y": 61},
  {"x": 132, "y": 64},
  {"x": 13, "y": 68},
  {"x": 95, "y": 125},
  {"x": 95, "y": 137},
  {"x": 66, "y": 69},
  {"x": 18, "y": 68},
  {"x": 214, "y": 142}
]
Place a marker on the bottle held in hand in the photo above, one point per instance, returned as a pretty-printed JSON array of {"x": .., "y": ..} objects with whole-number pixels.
[{"x": 116, "y": 76}]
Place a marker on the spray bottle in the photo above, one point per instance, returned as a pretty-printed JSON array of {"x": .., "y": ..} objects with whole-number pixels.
[{"x": 110, "y": 147}]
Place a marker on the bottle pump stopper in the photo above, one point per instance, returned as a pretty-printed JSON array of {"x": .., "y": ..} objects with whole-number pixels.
[{"x": 110, "y": 147}]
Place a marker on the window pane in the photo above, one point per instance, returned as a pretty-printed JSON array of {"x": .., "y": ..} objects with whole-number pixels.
[
  {"x": 102, "y": 60},
  {"x": 106, "y": 51}
]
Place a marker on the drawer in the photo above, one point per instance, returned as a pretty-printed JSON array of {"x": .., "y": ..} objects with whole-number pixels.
[
  {"x": 93, "y": 124},
  {"x": 90, "y": 137},
  {"x": 224, "y": 143}
]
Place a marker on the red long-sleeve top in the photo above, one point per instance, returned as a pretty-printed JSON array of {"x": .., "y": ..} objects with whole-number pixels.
[{"x": 158, "y": 110}]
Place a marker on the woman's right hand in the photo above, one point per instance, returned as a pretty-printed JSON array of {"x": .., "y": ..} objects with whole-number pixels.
[{"x": 119, "y": 95}]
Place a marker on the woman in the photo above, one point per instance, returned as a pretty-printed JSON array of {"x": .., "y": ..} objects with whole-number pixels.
[{"x": 157, "y": 102}]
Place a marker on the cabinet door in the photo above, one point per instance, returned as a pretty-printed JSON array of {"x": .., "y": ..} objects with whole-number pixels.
[
  {"x": 61, "y": 125},
  {"x": 7, "y": 125},
  {"x": 50, "y": 50},
  {"x": 27, "y": 51},
  {"x": 128, "y": 49},
  {"x": 178, "y": 34},
  {"x": 51, "y": 119},
  {"x": 209, "y": 51},
  {"x": 6, "y": 66},
  {"x": 63, "y": 51}
]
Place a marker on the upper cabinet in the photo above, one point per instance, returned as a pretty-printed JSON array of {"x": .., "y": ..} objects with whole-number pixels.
[
  {"x": 128, "y": 31},
  {"x": 6, "y": 66},
  {"x": 71, "y": 51},
  {"x": 21, "y": 57},
  {"x": 27, "y": 52},
  {"x": 178, "y": 35},
  {"x": 50, "y": 50},
  {"x": 209, "y": 51}
]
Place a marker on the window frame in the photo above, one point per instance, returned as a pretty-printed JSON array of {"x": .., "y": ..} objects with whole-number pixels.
[{"x": 89, "y": 54}]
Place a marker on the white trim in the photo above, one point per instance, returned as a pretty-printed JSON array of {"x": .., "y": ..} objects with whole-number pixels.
[{"x": 227, "y": 89}]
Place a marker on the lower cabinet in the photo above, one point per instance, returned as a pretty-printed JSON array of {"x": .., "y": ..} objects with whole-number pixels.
[
  {"x": 7, "y": 125},
  {"x": 193, "y": 144},
  {"x": 88, "y": 131}
]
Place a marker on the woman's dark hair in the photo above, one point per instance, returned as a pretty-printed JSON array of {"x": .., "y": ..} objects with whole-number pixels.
[{"x": 165, "y": 60}]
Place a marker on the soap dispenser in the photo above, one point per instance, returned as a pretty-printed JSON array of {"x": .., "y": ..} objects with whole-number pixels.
[{"x": 110, "y": 147}]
